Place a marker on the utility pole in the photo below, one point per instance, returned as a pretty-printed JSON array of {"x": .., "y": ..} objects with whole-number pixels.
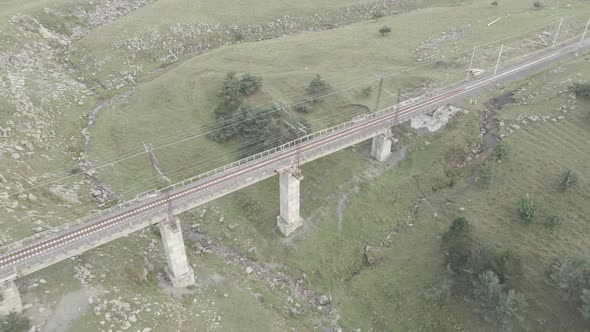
[
  {"x": 379, "y": 93},
  {"x": 498, "y": 62},
  {"x": 470, "y": 64},
  {"x": 557, "y": 33},
  {"x": 584, "y": 33}
]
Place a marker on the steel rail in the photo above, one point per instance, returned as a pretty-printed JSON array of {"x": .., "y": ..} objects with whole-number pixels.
[{"x": 376, "y": 121}]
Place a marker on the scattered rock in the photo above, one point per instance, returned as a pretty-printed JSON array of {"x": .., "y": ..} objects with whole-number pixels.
[{"x": 324, "y": 300}]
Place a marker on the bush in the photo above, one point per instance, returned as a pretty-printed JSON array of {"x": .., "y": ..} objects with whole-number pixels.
[
  {"x": 554, "y": 220},
  {"x": 571, "y": 276},
  {"x": 502, "y": 150},
  {"x": 251, "y": 207},
  {"x": 384, "y": 29},
  {"x": 527, "y": 208},
  {"x": 538, "y": 4},
  {"x": 305, "y": 106},
  {"x": 250, "y": 84},
  {"x": 15, "y": 322},
  {"x": 459, "y": 225},
  {"x": 486, "y": 175},
  {"x": 567, "y": 179},
  {"x": 373, "y": 255},
  {"x": 506, "y": 265},
  {"x": 230, "y": 89},
  {"x": 376, "y": 15},
  {"x": 458, "y": 244},
  {"x": 581, "y": 89},
  {"x": 223, "y": 131},
  {"x": 505, "y": 310},
  {"x": 511, "y": 311},
  {"x": 486, "y": 294},
  {"x": 317, "y": 86},
  {"x": 366, "y": 92},
  {"x": 439, "y": 291},
  {"x": 494, "y": 3}
]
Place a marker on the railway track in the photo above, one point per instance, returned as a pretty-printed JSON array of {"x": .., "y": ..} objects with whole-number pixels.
[{"x": 10, "y": 261}]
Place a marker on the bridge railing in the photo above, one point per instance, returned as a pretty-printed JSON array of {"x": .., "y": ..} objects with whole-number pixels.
[
  {"x": 157, "y": 192},
  {"x": 327, "y": 131}
]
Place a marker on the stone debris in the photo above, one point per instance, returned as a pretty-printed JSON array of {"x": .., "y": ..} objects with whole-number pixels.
[
  {"x": 430, "y": 48},
  {"x": 437, "y": 119}
]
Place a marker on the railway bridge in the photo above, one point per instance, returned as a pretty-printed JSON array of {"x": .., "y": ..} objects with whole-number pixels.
[{"x": 162, "y": 206}]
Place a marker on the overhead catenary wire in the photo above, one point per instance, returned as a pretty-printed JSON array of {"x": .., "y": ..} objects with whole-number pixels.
[
  {"x": 130, "y": 192},
  {"x": 229, "y": 123}
]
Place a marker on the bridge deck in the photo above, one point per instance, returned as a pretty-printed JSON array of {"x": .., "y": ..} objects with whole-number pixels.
[{"x": 26, "y": 257}]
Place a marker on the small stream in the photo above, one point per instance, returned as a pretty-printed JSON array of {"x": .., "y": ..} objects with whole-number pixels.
[{"x": 102, "y": 193}]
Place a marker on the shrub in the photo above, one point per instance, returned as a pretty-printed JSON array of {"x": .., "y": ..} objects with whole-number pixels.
[
  {"x": 317, "y": 86},
  {"x": 571, "y": 276},
  {"x": 459, "y": 225},
  {"x": 458, "y": 244},
  {"x": 377, "y": 14},
  {"x": 502, "y": 150},
  {"x": 305, "y": 106},
  {"x": 15, "y": 322},
  {"x": 554, "y": 220},
  {"x": 506, "y": 265},
  {"x": 581, "y": 89},
  {"x": 538, "y": 4},
  {"x": 494, "y": 3},
  {"x": 230, "y": 89},
  {"x": 373, "y": 255},
  {"x": 486, "y": 175},
  {"x": 223, "y": 132},
  {"x": 505, "y": 310},
  {"x": 486, "y": 294},
  {"x": 511, "y": 311},
  {"x": 366, "y": 92},
  {"x": 527, "y": 208},
  {"x": 384, "y": 29},
  {"x": 567, "y": 179},
  {"x": 440, "y": 289},
  {"x": 250, "y": 84}
]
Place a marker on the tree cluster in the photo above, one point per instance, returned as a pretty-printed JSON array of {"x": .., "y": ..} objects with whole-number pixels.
[
  {"x": 506, "y": 310},
  {"x": 257, "y": 129},
  {"x": 484, "y": 273},
  {"x": 232, "y": 92},
  {"x": 571, "y": 276}
]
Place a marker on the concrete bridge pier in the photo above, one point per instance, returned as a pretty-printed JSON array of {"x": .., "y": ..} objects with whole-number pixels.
[
  {"x": 289, "y": 219},
  {"x": 179, "y": 271},
  {"x": 381, "y": 148},
  {"x": 9, "y": 298}
]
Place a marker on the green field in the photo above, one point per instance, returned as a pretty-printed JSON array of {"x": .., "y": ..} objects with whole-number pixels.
[{"x": 179, "y": 102}]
